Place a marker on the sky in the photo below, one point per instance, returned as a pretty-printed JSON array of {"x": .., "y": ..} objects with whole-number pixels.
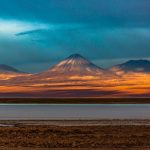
[{"x": 36, "y": 34}]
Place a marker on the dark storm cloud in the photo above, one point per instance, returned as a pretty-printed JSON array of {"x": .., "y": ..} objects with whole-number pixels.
[
  {"x": 119, "y": 12},
  {"x": 36, "y": 32}
]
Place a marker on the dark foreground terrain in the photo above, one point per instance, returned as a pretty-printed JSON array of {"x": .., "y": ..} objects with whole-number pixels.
[
  {"x": 76, "y": 100},
  {"x": 88, "y": 135}
]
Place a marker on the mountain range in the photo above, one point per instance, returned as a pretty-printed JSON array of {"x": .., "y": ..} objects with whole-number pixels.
[
  {"x": 76, "y": 76},
  {"x": 80, "y": 66}
]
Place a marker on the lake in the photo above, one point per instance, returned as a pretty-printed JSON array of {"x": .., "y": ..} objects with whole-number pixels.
[{"x": 73, "y": 111}]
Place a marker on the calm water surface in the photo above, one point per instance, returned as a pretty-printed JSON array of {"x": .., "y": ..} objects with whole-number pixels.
[{"x": 66, "y": 112}]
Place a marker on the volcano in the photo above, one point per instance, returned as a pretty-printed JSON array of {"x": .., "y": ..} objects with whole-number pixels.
[{"x": 75, "y": 65}]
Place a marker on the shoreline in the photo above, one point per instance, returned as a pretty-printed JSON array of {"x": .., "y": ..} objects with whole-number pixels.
[
  {"x": 79, "y": 123},
  {"x": 74, "y": 100}
]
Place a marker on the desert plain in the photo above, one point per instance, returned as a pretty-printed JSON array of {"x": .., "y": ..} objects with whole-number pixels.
[{"x": 72, "y": 135}]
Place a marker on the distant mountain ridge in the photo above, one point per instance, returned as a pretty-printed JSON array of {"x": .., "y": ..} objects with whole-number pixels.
[
  {"x": 137, "y": 66},
  {"x": 8, "y": 69}
]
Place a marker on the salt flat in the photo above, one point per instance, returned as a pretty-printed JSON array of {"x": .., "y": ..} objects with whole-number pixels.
[{"x": 74, "y": 111}]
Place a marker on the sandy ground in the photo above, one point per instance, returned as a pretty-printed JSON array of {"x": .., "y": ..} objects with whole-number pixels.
[{"x": 75, "y": 135}]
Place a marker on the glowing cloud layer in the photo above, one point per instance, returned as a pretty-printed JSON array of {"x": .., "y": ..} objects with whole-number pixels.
[{"x": 16, "y": 26}]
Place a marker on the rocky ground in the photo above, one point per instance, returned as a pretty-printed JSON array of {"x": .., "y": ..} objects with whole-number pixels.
[{"x": 72, "y": 135}]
